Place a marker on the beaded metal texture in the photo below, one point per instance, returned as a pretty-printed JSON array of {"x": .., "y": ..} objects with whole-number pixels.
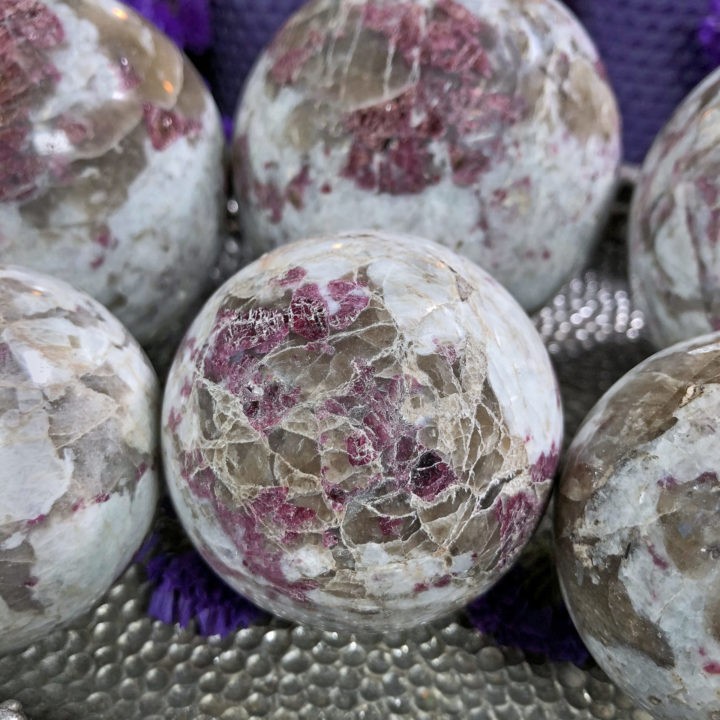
[{"x": 118, "y": 663}]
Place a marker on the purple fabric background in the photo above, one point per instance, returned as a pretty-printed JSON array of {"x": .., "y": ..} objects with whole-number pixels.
[
  {"x": 241, "y": 29},
  {"x": 653, "y": 55}
]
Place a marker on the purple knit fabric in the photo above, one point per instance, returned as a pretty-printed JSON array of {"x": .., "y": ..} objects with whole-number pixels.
[
  {"x": 185, "y": 590},
  {"x": 653, "y": 55},
  {"x": 709, "y": 34},
  {"x": 525, "y": 609},
  {"x": 187, "y": 22},
  {"x": 241, "y": 29}
]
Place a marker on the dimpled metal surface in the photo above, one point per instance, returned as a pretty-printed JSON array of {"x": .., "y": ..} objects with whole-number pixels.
[{"x": 117, "y": 663}]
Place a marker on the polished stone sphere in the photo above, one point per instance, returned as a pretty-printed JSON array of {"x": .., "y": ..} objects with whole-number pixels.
[
  {"x": 111, "y": 172},
  {"x": 361, "y": 431},
  {"x": 675, "y": 222},
  {"x": 78, "y": 444},
  {"x": 637, "y": 532},
  {"x": 485, "y": 125}
]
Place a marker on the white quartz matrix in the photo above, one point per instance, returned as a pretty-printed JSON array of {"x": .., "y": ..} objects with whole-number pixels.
[
  {"x": 675, "y": 222},
  {"x": 78, "y": 485},
  {"x": 361, "y": 431},
  {"x": 485, "y": 125},
  {"x": 638, "y": 532},
  {"x": 110, "y": 158}
]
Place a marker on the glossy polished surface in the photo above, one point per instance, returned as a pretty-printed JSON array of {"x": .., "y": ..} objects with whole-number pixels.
[
  {"x": 638, "y": 535},
  {"x": 361, "y": 431},
  {"x": 110, "y": 158},
  {"x": 484, "y": 125},
  {"x": 117, "y": 660},
  {"x": 675, "y": 222},
  {"x": 77, "y": 453}
]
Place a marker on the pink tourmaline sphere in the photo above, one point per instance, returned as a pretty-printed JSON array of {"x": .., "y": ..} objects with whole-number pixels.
[
  {"x": 485, "y": 125},
  {"x": 361, "y": 431},
  {"x": 111, "y": 148}
]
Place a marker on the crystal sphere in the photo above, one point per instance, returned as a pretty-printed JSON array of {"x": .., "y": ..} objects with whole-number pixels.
[
  {"x": 637, "y": 532},
  {"x": 485, "y": 125},
  {"x": 78, "y": 486},
  {"x": 675, "y": 222},
  {"x": 361, "y": 431},
  {"x": 110, "y": 159}
]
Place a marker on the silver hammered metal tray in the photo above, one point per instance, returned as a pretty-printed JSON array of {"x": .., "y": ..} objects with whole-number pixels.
[{"x": 117, "y": 663}]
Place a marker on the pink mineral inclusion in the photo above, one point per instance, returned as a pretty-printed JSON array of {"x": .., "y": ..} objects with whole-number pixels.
[
  {"x": 26, "y": 26},
  {"x": 293, "y": 276},
  {"x": 443, "y": 581},
  {"x": 352, "y": 299},
  {"x": 174, "y": 419},
  {"x": 544, "y": 467},
  {"x": 431, "y": 476},
  {"x": 262, "y": 556},
  {"x": 359, "y": 449},
  {"x": 271, "y": 505},
  {"x": 385, "y": 435},
  {"x": 446, "y": 351},
  {"x": 657, "y": 559},
  {"x": 295, "y": 190},
  {"x": 235, "y": 358},
  {"x": 390, "y": 527},
  {"x": 266, "y": 411},
  {"x": 337, "y": 496},
  {"x": 32, "y": 22},
  {"x": 200, "y": 478},
  {"x": 269, "y": 195},
  {"x": 75, "y": 130},
  {"x": 105, "y": 240},
  {"x": 309, "y": 313},
  {"x": 454, "y": 41},
  {"x": 272, "y": 198},
  {"x": 517, "y": 516},
  {"x": 166, "y": 126},
  {"x": 391, "y": 153},
  {"x": 288, "y": 64},
  {"x": 259, "y": 329}
]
